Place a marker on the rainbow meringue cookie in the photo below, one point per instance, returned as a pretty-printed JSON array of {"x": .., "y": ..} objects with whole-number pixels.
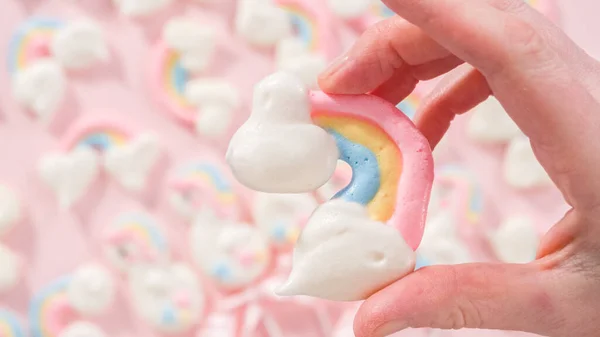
[
  {"x": 233, "y": 255},
  {"x": 364, "y": 238},
  {"x": 170, "y": 297}
]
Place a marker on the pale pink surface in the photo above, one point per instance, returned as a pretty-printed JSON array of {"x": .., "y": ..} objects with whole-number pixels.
[{"x": 417, "y": 163}]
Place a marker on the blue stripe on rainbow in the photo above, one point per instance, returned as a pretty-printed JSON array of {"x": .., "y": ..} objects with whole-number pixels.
[
  {"x": 304, "y": 25},
  {"x": 383, "y": 156},
  {"x": 26, "y": 34},
  {"x": 379, "y": 9},
  {"x": 10, "y": 325},
  {"x": 176, "y": 78},
  {"x": 362, "y": 161},
  {"x": 41, "y": 303},
  {"x": 102, "y": 140}
]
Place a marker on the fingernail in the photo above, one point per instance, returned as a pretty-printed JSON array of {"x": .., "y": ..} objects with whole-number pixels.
[
  {"x": 389, "y": 328},
  {"x": 335, "y": 66}
]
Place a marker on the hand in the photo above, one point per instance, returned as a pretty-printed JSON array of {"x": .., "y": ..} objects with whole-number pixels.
[{"x": 551, "y": 89}]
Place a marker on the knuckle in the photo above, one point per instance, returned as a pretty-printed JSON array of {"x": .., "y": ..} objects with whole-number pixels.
[{"x": 526, "y": 43}]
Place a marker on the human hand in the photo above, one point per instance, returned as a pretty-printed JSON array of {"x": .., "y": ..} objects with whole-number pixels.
[{"x": 551, "y": 89}]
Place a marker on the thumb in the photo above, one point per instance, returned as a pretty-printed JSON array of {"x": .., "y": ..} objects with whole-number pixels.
[{"x": 490, "y": 296}]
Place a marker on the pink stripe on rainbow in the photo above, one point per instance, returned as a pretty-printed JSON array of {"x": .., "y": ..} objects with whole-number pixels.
[{"x": 31, "y": 41}]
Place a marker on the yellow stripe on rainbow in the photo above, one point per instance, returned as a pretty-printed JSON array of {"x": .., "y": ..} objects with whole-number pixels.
[
  {"x": 30, "y": 33},
  {"x": 364, "y": 132},
  {"x": 175, "y": 78}
]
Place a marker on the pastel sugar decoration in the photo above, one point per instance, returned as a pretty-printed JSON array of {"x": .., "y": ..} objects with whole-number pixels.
[
  {"x": 79, "y": 44},
  {"x": 349, "y": 9},
  {"x": 10, "y": 269},
  {"x": 169, "y": 298},
  {"x": 128, "y": 158},
  {"x": 490, "y": 124},
  {"x": 91, "y": 289},
  {"x": 261, "y": 23},
  {"x": 281, "y": 217},
  {"x": 70, "y": 174},
  {"x": 11, "y": 210},
  {"x": 135, "y": 238},
  {"x": 204, "y": 183},
  {"x": 10, "y": 324},
  {"x": 380, "y": 11},
  {"x": 49, "y": 309},
  {"x": 194, "y": 42},
  {"x": 233, "y": 255},
  {"x": 516, "y": 240},
  {"x": 217, "y": 100},
  {"x": 311, "y": 25},
  {"x": 291, "y": 144},
  {"x": 31, "y": 42},
  {"x": 41, "y": 87}
]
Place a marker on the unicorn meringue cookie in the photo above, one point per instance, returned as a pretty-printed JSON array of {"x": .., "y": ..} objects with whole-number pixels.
[
  {"x": 10, "y": 269},
  {"x": 369, "y": 231},
  {"x": 233, "y": 255},
  {"x": 79, "y": 44},
  {"x": 281, "y": 217},
  {"x": 82, "y": 329},
  {"x": 521, "y": 168},
  {"x": 91, "y": 290},
  {"x": 169, "y": 298},
  {"x": 261, "y": 23},
  {"x": 195, "y": 43},
  {"x": 491, "y": 124},
  {"x": 10, "y": 209}
]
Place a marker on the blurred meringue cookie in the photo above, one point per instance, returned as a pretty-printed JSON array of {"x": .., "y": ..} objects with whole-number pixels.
[
  {"x": 82, "y": 329},
  {"x": 516, "y": 240},
  {"x": 10, "y": 209},
  {"x": 91, "y": 290},
  {"x": 343, "y": 255},
  {"x": 169, "y": 298},
  {"x": 141, "y": 7},
  {"x": 349, "y": 9},
  {"x": 302, "y": 156},
  {"x": 261, "y": 22},
  {"x": 521, "y": 168},
  {"x": 41, "y": 87},
  {"x": 194, "y": 42},
  {"x": 292, "y": 56},
  {"x": 79, "y": 44},
  {"x": 10, "y": 269},
  {"x": 491, "y": 124},
  {"x": 441, "y": 244}
]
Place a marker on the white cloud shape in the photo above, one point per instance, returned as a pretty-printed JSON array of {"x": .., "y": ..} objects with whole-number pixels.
[
  {"x": 349, "y": 9},
  {"x": 130, "y": 164},
  {"x": 521, "y": 167},
  {"x": 91, "y": 290},
  {"x": 279, "y": 149},
  {"x": 516, "y": 240},
  {"x": 10, "y": 209},
  {"x": 293, "y": 56},
  {"x": 41, "y": 87},
  {"x": 490, "y": 123},
  {"x": 141, "y": 7},
  {"x": 441, "y": 243},
  {"x": 261, "y": 22},
  {"x": 69, "y": 175},
  {"x": 343, "y": 255},
  {"x": 195, "y": 43},
  {"x": 79, "y": 44}
]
